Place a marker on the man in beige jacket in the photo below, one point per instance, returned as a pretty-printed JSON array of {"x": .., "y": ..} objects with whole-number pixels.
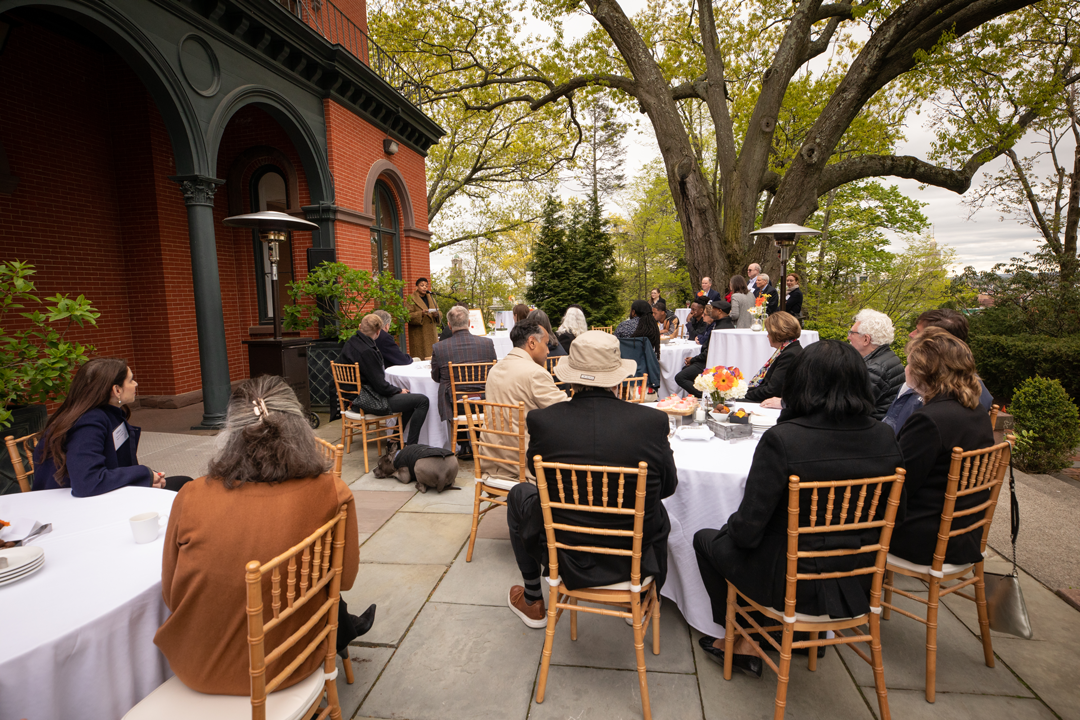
[{"x": 521, "y": 376}]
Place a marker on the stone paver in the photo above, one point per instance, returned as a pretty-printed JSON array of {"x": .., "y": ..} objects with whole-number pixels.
[
  {"x": 400, "y": 591},
  {"x": 912, "y": 703},
  {"x": 373, "y": 509},
  {"x": 448, "y": 501},
  {"x": 425, "y": 538},
  {"x": 493, "y": 524},
  {"x": 580, "y": 693},
  {"x": 367, "y": 663},
  {"x": 485, "y": 580}
]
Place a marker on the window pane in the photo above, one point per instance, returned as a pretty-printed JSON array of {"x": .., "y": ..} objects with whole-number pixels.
[
  {"x": 387, "y": 216},
  {"x": 272, "y": 193},
  {"x": 376, "y": 255}
]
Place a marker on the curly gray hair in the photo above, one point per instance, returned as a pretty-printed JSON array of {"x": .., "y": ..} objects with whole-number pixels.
[{"x": 877, "y": 325}]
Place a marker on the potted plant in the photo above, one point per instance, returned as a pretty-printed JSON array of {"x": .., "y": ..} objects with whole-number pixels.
[
  {"x": 335, "y": 297},
  {"x": 36, "y": 360}
]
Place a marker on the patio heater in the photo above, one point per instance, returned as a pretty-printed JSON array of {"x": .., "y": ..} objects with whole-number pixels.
[
  {"x": 286, "y": 357},
  {"x": 785, "y": 235}
]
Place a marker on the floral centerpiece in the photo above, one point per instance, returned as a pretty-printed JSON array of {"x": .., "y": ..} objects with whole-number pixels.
[
  {"x": 758, "y": 311},
  {"x": 722, "y": 383}
]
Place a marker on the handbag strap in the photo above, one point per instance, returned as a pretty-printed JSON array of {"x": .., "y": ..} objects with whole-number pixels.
[{"x": 1014, "y": 514}]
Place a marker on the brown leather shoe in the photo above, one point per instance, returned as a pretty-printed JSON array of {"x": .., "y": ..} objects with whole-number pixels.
[{"x": 535, "y": 615}]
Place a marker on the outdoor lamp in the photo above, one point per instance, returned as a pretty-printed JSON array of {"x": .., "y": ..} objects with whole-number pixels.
[
  {"x": 272, "y": 228},
  {"x": 785, "y": 235}
]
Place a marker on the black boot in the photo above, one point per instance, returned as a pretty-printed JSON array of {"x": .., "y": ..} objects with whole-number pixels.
[{"x": 351, "y": 627}]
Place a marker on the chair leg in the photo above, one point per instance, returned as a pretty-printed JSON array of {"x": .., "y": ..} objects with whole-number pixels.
[
  {"x": 933, "y": 599},
  {"x": 886, "y": 612},
  {"x": 475, "y": 521},
  {"x": 729, "y": 631},
  {"x": 878, "y": 667},
  {"x": 785, "y": 672},
  {"x": 332, "y": 700},
  {"x": 363, "y": 429},
  {"x": 655, "y": 621},
  {"x": 549, "y": 640},
  {"x": 639, "y": 652},
  {"x": 812, "y": 664},
  {"x": 984, "y": 617},
  {"x": 347, "y": 662},
  {"x": 346, "y": 434},
  {"x": 573, "y": 620}
]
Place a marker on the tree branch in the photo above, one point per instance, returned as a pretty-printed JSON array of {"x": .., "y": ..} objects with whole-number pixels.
[
  {"x": 485, "y": 234},
  {"x": 1033, "y": 203},
  {"x": 713, "y": 92}
]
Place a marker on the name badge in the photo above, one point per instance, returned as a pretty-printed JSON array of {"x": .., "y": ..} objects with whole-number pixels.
[{"x": 119, "y": 436}]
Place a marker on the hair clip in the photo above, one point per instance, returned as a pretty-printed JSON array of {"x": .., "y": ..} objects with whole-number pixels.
[{"x": 260, "y": 408}]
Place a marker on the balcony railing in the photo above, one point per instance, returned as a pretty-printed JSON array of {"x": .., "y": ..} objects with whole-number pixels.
[{"x": 326, "y": 19}]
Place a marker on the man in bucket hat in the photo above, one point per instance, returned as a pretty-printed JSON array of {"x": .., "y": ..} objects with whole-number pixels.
[{"x": 594, "y": 428}]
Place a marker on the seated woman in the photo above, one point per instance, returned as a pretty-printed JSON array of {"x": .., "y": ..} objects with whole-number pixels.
[
  {"x": 640, "y": 324},
  {"x": 88, "y": 444},
  {"x": 412, "y": 406},
  {"x": 767, "y": 387},
  {"x": 555, "y": 349},
  {"x": 573, "y": 324},
  {"x": 826, "y": 432},
  {"x": 266, "y": 490},
  {"x": 941, "y": 369}
]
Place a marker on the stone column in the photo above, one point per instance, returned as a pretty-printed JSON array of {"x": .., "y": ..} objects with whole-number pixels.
[{"x": 209, "y": 319}]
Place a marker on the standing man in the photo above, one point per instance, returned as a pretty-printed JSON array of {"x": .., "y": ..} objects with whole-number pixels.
[
  {"x": 424, "y": 320},
  {"x": 762, "y": 286},
  {"x": 793, "y": 300},
  {"x": 707, "y": 291},
  {"x": 871, "y": 335},
  {"x": 462, "y": 347},
  {"x": 752, "y": 271}
]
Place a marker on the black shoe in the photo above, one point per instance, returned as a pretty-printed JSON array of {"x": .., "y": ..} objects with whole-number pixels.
[
  {"x": 747, "y": 664},
  {"x": 465, "y": 452},
  {"x": 804, "y": 652},
  {"x": 363, "y": 622},
  {"x": 351, "y": 627}
]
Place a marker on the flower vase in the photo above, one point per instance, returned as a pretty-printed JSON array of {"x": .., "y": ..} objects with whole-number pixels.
[{"x": 757, "y": 326}]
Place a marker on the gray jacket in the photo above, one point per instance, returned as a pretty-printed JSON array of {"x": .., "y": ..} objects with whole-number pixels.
[{"x": 740, "y": 309}]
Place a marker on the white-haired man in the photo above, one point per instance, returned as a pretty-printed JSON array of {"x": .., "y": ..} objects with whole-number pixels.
[
  {"x": 871, "y": 335},
  {"x": 762, "y": 286}
]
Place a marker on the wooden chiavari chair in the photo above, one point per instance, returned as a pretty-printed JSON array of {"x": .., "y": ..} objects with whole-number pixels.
[
  {"x": 494, "y": 427},
  {"x": 310, "y": 568},
  {"x": 975, "y": 471},
  {"x": 371, "y": 427},
  {"x": 600, "y": 490},
  {"x": 994, "y": 411},
  {"x": 604, "y": 328},
  {"x": 634, "y": 389},
  {"x": 333, "y": 453},
  {"x": 847, "y": 506},
  {"x": 23, "y": 474},
  {"x": 466, "y": 380},
  {"x": 550, "y": 364}
]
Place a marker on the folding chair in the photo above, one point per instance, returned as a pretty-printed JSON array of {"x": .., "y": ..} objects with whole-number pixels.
[
  {"x": 550, "y": 364},
  {"x": 466, "y": 380},
  {"x": 333, "y": 453},
  {"x": 371, "y": 427},
  {"x": 857, "y": 509},
  {"x": 23, "y": 475},
  {"x": 604, "y": 328},
  {"x": 975, "y": 471},
  {"x": 494, "y": 427},
  {"x": 634, "y": 389}
]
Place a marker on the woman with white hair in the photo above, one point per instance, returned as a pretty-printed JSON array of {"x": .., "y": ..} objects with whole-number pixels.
[
  {"x": 573, "y": 324},
  {"x": 871, "y": 335}
]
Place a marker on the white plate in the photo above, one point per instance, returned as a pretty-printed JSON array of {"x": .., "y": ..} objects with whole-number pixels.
[
  {"x": 28, "y": 573},
  {"x": 19, "y": 556},
  {"x": 23, "y": 569},
  {"x": 762, "y": 421}
]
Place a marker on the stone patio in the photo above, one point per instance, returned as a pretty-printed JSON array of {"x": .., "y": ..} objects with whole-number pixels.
[{"x": 444, "y": 645}]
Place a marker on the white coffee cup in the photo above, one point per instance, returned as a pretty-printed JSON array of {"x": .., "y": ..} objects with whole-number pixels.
[{"x": 145, "y": 526}]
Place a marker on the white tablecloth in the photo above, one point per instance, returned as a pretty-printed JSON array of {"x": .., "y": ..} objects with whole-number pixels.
[
  {"x": 682, "y": 314},
  {"x": 77, "y": 637},
  {"x": 747, "y": 350},
  {"x": 503, "y": 346},
  {"x": 672, "y": 355},
  {"x": 504, "y": 320},
  {"x": 417, "y": 378}
]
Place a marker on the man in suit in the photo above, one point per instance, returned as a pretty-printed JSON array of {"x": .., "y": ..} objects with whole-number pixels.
[
  {"x": 596, "y": 428},
  {"x": 521, "y": 376},
  {"x": 462, "y": 347},
  {"x": 762, "y": 286},
  {"x": 793, "y": 299},
  {"x": 707, "y": 291},
  {"x": 718, "y": 310}
]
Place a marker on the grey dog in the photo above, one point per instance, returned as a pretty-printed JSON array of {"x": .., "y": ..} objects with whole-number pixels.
[{"x": 430, "y": 467}]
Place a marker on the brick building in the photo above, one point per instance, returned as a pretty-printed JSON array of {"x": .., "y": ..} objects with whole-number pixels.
[{"x": 130, "y": 129}]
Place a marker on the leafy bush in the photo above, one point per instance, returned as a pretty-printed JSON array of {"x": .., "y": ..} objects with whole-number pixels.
[
  {"x": 1042, "y": 407},
  {"x": 1005, "y": 362},
  {"x": 342, "y": 297}
]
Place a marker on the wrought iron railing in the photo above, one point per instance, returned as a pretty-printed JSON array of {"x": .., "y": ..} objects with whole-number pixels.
[{"x": 329, "y": 21}]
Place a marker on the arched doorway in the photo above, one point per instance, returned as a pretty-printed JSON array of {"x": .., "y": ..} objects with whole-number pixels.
[{"x": 385, "y": 233}]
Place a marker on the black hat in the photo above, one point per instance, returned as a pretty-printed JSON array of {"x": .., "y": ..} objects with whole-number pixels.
[{"x": 721, "y": 305}]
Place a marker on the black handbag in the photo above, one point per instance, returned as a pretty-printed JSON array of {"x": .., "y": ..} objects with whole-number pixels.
[
  {"x": 370, "y": 402},
  {"x": 1004, "y": 600}
]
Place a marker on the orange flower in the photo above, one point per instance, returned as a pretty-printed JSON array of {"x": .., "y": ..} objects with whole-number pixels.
[
  {"x": 723, "y": 380},
  {"x": 759, "y": 302},
  {"x": 736, "y": 372}
]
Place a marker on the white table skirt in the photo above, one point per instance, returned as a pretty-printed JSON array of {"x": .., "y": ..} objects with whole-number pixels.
[
  {"x": 682, "y": 314},
  {"x": 503, "y": 346},
  {"x": 672, "y": 355},
  {"x": 78, "y": 635},
  {"x": 504, "y": 320},
  {"x": 417, "y": 378},
  {"x": 747, "y": 350}
]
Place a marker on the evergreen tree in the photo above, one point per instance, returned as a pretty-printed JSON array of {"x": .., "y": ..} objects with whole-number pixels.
[
  {"x": 595, "y": 281},
  {"x": 552, "y": 265}
]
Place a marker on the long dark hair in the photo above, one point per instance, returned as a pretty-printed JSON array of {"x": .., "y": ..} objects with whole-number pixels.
[
  {"x": 828, "y": 377},
  {"x": 646, "y": 324},
  {"x": 90, "y": 388}
]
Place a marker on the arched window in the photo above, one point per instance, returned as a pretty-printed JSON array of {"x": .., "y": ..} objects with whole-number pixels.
[
  {"x": 268, "y": 192},
  {"x": 385, "y": 239}
]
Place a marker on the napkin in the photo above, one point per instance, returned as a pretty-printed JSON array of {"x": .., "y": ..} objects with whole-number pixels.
[
  {"x": 20, "y": 527},
  {"x": 688, "y": 432}
]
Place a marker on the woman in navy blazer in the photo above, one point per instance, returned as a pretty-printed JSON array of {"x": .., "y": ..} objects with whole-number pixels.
[{"x": 88, "y": 443}]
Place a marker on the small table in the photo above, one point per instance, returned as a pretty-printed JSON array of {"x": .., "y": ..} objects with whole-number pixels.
[
  {"x": 745, "y": 349},
  {"x": 672, "y": 356},
  {"x": 504, "y": 320},
  {"x": 416, "y": 378},
  {"x": 78, "y": 637},
  {"x": 682, "y": 314}
]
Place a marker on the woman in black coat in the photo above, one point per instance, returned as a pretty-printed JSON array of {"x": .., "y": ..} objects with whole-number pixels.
[
  {"x": 825, "y": 432},
  {"x": 784, "y": 331},
  {"x": 941, "y": 369}
]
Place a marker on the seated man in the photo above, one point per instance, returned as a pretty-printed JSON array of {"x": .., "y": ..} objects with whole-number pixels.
[
  {"x": 695, "y": 365},
  {"x": 521, "y": 376},
  {"x": 447, "y": 332},
  {"x": 666, "y": 320},
  {"x": 697, "y": 320},
  {"x": 592, "y": 428},
  {"x": 462, "y": 347},
  {"x": 871, "y": 335},
  {"x": 388, "y": 347},
  {"x": 721, "y": 311}
]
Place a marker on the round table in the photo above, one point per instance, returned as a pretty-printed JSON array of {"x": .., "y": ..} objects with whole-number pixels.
[
  {"x": 504, "y": 319},
  {"x": 672, "y": 356},
  {"x": 745, "y": 349},
  {"x": 78, "y": 635},
  {"x": 501, "y": 340},
  {"x": 417, "y": 378}
]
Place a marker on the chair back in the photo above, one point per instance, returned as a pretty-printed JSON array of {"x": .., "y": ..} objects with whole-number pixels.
[
  {"x": 550, "y": 364},
  {"x": 23, "y": 474},
  {"x": 604, "y": 328},
  {"x": 497, "y": 435},
  {"x": 975, "y": 471},
  {"x": 841, "y": 506},
  {"x": 467, "y": 378},
  {"x": 347, "y": 382},
  {"x": 634, "y": 389},
  {"x": 596, "y": 489},
  {"x": 333, "y": 453},
  {"x": 309, "y": 567},
  {"x": 994, "y": 410}
]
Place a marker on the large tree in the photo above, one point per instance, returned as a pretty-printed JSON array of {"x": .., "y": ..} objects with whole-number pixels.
[{"x": 743, "y": 67}]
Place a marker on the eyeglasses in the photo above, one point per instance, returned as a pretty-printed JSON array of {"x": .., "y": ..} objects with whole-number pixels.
[{"x": 852, "y": 332}]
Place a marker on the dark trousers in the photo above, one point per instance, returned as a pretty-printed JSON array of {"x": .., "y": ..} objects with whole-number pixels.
[
  {"x": 413, "y": 408},
  {"x": 715, "y": 582},
  {"x": 525, "y": 521},
  {"x": 685, "y": 378}
]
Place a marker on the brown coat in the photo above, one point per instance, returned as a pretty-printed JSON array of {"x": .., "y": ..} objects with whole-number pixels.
[
  {"x": 213, "y": 533},
  {"x": 423, "y": 326}
]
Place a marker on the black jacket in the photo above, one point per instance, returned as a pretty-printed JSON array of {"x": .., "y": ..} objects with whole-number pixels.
[
  {"x": 793, "y": 304},
  {"x": 886, "y": 377},
  {"x": 695, "y": 327},
  {"x": 751, "y": 550},
  {"x": 361, "y": 350},
  {"x": 392, "y": 354},
  {"x": 94, "y": 464},
  {"x": 706, "y": 335},
  {"x": 597, "y": 428},
  {"x": 724, "y": 323},
  {"x": 927, "y": 440},
  {"x": 773, "y": 303},
  {"x": 773, "y": 384}
]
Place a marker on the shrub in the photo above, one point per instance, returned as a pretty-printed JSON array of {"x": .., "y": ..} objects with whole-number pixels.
[
  {"x": 342, "y": 296},
  {"x": 1042, "y": 407},
  {"x": 1005, "y": 362}
]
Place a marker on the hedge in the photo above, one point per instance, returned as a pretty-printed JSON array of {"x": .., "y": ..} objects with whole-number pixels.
[{"x": 1004, "y": 362}]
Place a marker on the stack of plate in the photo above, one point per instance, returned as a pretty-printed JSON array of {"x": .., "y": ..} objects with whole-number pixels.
[{"x": 22, "y": 561}]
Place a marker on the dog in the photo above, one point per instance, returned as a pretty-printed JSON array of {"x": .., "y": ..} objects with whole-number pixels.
[{"x": 430, "y": 467}]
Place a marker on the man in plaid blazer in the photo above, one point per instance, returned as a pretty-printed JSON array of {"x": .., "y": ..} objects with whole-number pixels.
[{"x": 461, "y": 347}]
